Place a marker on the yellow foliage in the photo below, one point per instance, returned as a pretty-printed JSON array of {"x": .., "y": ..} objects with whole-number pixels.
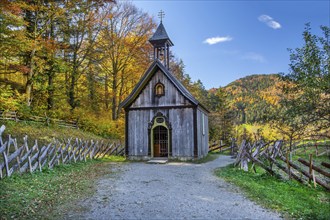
[
  {"x": 100, "y": 124},
  {"x": 253, "y": 131}
]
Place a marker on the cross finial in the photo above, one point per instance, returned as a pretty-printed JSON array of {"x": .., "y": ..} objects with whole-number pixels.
[{"x": 161, "y": 15}]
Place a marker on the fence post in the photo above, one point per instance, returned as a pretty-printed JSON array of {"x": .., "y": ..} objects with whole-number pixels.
[
  {"x": 311, "y": 171},
  {"x": 18, "y": 158},
  {"x": 316, "y": 150},
  {"x": 288, "y": 164},
  {"x": 310, "y": 167}
]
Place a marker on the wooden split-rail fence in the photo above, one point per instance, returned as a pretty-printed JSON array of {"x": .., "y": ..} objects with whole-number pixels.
[
  {"x": 13, "y": 116},
  {"x": 222, "y": 147},
  {"x": 270, "y": 155},
  {"x": 30, "y": 159}
]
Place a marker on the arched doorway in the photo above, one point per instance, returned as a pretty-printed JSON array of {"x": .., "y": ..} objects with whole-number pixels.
[
  {"x": 160, "y": 136},
  {"x": 160, "y": 139}
]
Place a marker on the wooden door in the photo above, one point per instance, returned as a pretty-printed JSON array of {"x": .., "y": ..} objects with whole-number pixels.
[{"x": 160, "y": 141}]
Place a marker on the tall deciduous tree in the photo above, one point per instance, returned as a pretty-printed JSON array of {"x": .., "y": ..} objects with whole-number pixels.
[
  {"x": 123, "y": 41},
  {"x": 83, "y": 24},
  {"x": 309, "y": 81},
  {"x": 12, "y": 38}
]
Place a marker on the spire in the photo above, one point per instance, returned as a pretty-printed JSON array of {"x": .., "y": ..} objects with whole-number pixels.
[
  {"x": 161, "y": 43},
  {"x": 160, "y": 36}
]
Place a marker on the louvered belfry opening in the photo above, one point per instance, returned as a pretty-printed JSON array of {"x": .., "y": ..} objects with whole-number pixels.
[
  {"x": 161, "y": 43},
  {"x": 160, "y": 141}
]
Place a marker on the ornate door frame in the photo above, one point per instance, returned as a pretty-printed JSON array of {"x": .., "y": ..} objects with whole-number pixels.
[{"x": 159, "y": 120}]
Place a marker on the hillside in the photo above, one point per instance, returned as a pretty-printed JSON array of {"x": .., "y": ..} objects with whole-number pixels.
[
  {"x": 249, "y": 97},
  {"x": 42, "y": 133}
]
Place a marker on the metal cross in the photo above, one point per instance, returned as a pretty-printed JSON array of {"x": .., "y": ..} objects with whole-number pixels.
[{"x": 161, "y": 15}]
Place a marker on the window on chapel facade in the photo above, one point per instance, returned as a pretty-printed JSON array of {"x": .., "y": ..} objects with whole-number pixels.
[{"x": 159, "y": 89}]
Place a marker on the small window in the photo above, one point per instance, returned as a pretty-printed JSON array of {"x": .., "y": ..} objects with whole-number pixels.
[
  {"x": 203, "y": 125},
  {"x": 159, "y": 89}
]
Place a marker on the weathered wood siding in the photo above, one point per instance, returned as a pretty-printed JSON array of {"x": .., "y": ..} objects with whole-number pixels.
[
  {"x": 202, "y": 133},
  {"x": 172, "y": 95},
  {"x": 182, "y": 132},
  {"x": 138, "y": 132},
  {"x": 181, "y": 120}
]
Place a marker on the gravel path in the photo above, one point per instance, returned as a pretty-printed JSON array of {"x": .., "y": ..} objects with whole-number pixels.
[{"x": 170, "y": 191}]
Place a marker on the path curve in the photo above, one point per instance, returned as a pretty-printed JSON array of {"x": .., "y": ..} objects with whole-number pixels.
[{"x": 170, "y": 191}]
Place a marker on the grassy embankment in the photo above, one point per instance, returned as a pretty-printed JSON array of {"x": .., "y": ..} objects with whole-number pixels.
[
  {"x": 44, "y": 134},
  {"x": 49, "y": 194},
  {"x": 290, "y": 198}
]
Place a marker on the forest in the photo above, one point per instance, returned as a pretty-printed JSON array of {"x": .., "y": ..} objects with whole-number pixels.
[{"x": 79, "y": 59}]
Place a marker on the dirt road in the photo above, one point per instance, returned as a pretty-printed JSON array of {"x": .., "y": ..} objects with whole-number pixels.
[{"x": 170, "y": 191}]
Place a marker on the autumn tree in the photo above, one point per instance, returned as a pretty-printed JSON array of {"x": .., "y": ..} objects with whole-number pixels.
[
  {"x": 80, "y": 30},
  {"x": 308, "y": 90},
  {"x": 12, "y": 38},
  {"x": 177, "y": 68},
  {"x": 39, "y": 19},
  {"x": 221, "y": 117},
  {"x": 290, "y": 128},
  {"x": 125, "y": 51},
  {"x": 14, "y": 42}
]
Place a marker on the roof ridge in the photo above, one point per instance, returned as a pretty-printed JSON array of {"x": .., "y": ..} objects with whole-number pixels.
[{"x": 146, "y": 77}]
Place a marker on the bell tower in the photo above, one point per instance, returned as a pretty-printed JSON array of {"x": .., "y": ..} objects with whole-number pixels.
[{"x": 161, "y": 43}]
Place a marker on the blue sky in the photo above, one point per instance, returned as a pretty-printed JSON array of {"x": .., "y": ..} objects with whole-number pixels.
[{"x": 221, "y": 41}]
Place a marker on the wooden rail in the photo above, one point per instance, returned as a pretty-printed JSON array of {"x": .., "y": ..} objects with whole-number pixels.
[
  {"x": 308, "y": 164},
  {"x": 267, "y": 155},
  {"x": 309, "y": 175},
  {"x": 8, "y": 115},
  {"x": 325, "y": 164},
  {"x": 222, "y": 147},
  {"x": 25, "y": 158},
  {"x": 11, "y": 115}
]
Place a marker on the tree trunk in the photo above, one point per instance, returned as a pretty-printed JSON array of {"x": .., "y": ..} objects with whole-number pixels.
[
  {"x": 50, "y": 98},
  {"x": 51, "y": 72},
  {"x": 106, "y": 91},
  {"x": 122, "y": 83},
  {"x": 90, "y": 75},
  {"x": 72, "y": 86},
  {"x": 243, "y": 115},
  {"x": 291, "y": 136},
  {"x": 91, "y": 88},
  {"x": 29, "y": 78},
  {"x": 114, "y": 98}
]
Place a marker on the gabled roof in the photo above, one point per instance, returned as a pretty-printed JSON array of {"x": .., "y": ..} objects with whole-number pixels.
[
  {"x": 160, "y": 36},
  {"x": 154, "y": 67}
]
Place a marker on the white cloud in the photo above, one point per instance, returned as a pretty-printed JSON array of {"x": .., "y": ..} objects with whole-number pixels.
[
  {"x": 274, "y": 24},
  {"x": 254, "y": 57},
  {"x": 265, "y": 18},
  {"x": 269, "y": 21},
  {"x": 215, "y": 40}
]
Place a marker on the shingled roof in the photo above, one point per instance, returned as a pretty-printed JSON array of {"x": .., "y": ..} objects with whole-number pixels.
[
  {"x": 160, "y": 36},
  {"x": 155, "y": 66}
]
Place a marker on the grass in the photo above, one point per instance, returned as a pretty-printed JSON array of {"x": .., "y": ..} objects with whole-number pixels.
[
  {"x": 290, "y": 198},
  {"x": 44, "y": 134},
  {"x": 209, "y": 157},
  {"x": 48, "y": 194},
  {"x": 305, "y": 152},
  {"x": 39, "y": 195}
]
